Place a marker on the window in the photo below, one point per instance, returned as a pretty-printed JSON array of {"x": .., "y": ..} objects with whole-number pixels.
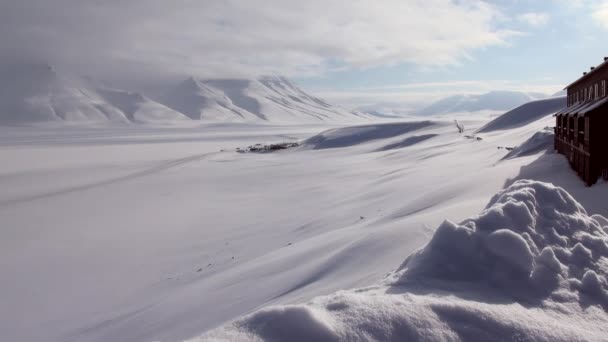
[
  {"x": 603, "y": 91},
  {"x": 596, "y": 91},
  {"x": 585, "y": 94}
]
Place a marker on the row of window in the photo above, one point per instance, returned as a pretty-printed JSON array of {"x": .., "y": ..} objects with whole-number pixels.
[
  {"x": 596, "y": 91},
  {"x": 565, "y": 128}
]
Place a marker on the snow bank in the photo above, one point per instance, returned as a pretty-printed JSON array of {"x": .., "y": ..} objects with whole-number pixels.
[
  {"x": 355, "y": 135},
  {"x": 525, "y": 114},
  {"x": 531, "y": 267},
  {"x": 540, "y": 142}
]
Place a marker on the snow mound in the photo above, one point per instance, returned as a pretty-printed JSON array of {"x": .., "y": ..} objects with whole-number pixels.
[
  {"x": 355, "y": 135},
  {"x": 533, "y": 241},
  {"x": 531, "y": 267},
  {"x": 540, "y": 142},
  {"x": 525, "y": 114}
]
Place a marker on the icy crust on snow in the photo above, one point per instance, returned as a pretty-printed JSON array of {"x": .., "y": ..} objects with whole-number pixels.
[{"x": 531, "y": 267}]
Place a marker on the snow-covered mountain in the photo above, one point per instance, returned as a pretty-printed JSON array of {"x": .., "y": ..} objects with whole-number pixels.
[
  {"x": 138, "y": 108},
  {"x": 493, "y": 101},
  {"x": 38, "y": 93},
  {"x": 269, "y": 98}
]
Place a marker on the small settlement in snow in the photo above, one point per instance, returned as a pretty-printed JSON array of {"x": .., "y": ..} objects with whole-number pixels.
[{"x": 580, "y": 131}]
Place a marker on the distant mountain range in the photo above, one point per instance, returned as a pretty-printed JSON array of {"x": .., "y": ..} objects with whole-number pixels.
[
  {"x": 492, "y": 101},
  {"x": 38, "y": 93}
]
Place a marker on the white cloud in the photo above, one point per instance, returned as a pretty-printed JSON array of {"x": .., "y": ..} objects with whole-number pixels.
[
  {"x": 600, "y": 14},
  {"x": 232, "y": 37},
  {"x": 534, "y": 18}
]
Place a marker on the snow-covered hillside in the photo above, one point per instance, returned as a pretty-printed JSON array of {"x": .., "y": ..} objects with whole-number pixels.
[
  {"x": 492, "y": 101},
  {"x": 138, "y": 108},
  {"x": 39, "y": 94},
  {"x": 272, "y": 99}
]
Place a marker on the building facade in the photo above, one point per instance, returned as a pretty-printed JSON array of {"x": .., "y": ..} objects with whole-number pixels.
[{"x": 581, "y": 129}]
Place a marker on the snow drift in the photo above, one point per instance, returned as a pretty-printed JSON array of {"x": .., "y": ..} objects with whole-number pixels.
[
  {"x": 525, "y": 114},
  {"x": 541, "y": 141},
  {"x": 355, "y": 135},
  {"x": 532, "y": 266}
]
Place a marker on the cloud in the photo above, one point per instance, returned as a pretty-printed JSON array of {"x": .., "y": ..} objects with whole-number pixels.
[
  {"x": 534, "y": 18},
  {"x": 138, "y": 38},
  {"x": 600, "y": 14}
]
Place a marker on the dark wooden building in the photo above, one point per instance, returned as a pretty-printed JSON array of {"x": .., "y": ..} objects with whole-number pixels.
[{"x": 581, "y": 130}]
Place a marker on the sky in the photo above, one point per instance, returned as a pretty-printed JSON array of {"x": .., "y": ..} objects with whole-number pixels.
[{"x": 358, "y": 52}]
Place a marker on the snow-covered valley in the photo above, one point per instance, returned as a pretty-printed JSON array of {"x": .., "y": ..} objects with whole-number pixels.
[{"x": 147, "y": 233}]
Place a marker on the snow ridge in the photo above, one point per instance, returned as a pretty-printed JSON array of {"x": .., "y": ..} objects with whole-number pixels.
[
  {"x": 525, "y": 114},
  {"x": 532, "y": 266}
]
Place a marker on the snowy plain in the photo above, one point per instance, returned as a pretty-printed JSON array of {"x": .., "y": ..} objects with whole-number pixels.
[{"x": 147, "y": 233}]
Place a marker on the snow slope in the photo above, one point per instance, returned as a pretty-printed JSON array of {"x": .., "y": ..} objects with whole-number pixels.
[
  {"x": 492, "y": 101},
  {"x": 272, "y": 99},
  {"x": 531, "y": 266},
  {"x": 525, "y": 114}
]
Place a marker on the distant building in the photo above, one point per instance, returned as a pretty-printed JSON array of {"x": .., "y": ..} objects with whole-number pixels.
[{"x": 581, "y": 130}]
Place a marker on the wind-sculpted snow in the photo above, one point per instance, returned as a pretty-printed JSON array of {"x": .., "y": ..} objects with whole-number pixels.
[
  {"x": 525, "y": 114},
  {"x": 355, "y": 135},
  {"x": 541, "y": 141},
  {"x": 532, "y": 266}
]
